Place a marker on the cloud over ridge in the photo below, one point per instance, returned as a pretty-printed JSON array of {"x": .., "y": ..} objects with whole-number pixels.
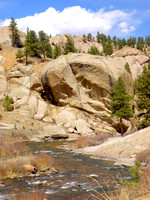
[{"x": 77, "y": 21}]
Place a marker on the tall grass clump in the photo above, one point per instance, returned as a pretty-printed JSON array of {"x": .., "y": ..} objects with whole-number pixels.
[{"x": 120, "y": 189}]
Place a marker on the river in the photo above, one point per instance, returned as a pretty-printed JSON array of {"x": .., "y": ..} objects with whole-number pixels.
[{"x": 72, "y": 180}]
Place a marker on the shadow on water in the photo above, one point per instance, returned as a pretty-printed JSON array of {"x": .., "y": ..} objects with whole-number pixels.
[{"x": 72, "y": 180}]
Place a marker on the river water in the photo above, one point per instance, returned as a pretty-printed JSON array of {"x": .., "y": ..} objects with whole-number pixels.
[{"x": 72, "y": 181}]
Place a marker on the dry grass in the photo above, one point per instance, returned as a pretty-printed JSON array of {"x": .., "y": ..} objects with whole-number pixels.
[
  {"x": 14, "y": 155},
  {"x": 121, "y": 191},
  {"x": 11, "y": 149},
  {"x": 13, "y": 167},
  {"x": 42, "y": 162},
  {"x": 35, "y": 195},
  {"x": 82, "y": 142}
]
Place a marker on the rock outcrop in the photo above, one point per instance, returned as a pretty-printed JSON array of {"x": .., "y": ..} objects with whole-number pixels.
[
  {"x": 135, "y": 58},
  {"x": 79, "y": 43},
  {"x": 5, "y": 39}
]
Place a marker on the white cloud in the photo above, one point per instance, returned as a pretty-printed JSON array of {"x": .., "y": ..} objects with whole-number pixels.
[
  {"x": 76, "y": 20},
  {"x": 125, "y": 28}
]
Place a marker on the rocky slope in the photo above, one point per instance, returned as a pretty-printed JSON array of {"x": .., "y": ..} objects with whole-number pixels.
[{"x": 71, "y": 92}]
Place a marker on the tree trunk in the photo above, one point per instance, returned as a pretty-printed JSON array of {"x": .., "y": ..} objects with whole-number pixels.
[
  {"x": 121, "y": 126},
  {"x": 44, "y": 55},
  {"x": 26, "y": 59}
]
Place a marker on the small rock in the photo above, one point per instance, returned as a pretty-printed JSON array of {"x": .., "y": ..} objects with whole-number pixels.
[
  {"x": 30, "y": 169},
  {"x": 44, "y": 182},
  {"x": 71, "y": 130},
  {"x": 93, "y": 176},
  {"x": 37, "y": 183},
  {"x": 53, "y": 170}
]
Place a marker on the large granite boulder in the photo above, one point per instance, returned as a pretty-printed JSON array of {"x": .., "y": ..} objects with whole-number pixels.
[{"x": 84, "y": 81}]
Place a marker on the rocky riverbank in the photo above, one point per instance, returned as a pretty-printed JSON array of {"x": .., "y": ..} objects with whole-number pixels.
[{"x": 123, "y": 150}]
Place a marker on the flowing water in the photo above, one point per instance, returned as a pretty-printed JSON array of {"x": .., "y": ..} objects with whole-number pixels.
[{"x": 72, "y": 180}]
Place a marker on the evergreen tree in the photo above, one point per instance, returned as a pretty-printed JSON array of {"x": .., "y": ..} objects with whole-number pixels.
[
  {"x": 57, "y": 51},
  {"x": 143, "y": 101},
  {"x": 114, "y": 42},
  {"x": 14, "y": 33},
  {"x": 44, "y": 43},
  {"x": 98, "y": 37},
  {"x": 131, "y": 42},
  {"x": 119, "y": 104},
  {"x": 127, "y": 67},
  {"x": 107, "y": 48},
  {"x": 89, "y": 36},
  {"x": 94, "y": 51},
  {"x": 49, "y": 51},
  {"x": 32, "y": 44},
  {"x": 121, "y": 43},
  {"x": 102, "y": 37},
  {"x": 140, "y": 43},
  {"x": 148, "y": 40},
  {"x": 20, "y": 55},
  {"x": 69, "y": 46},
  {"x": 84, "y": 38}
]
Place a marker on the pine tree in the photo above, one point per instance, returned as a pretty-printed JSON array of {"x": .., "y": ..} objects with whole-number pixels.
[
  {"x": 44, "y": 43},
  {"x": 140, "y": 43},
  {"x": 89, "y": 36},
  {"x": 32, "y": 44},
  {"x": 49, "y": 51},
  {"x": 14, "y": 33},
  {"x": 127, "y": 67},
  {"x": 69, "y": 46},
  {"x": 143, "y": 101},
  {"x": 57, "y": 51},
  {"x": 119, "y": 104}
]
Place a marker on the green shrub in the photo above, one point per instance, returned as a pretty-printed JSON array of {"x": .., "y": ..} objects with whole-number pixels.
[
  {"x": 7, "y": 103},
  {"x": 127, "y": 67},
  {"x": 94, "y": 51},
  {"x": 135, "y": 171},
  {"x": 20, "y": 55}
]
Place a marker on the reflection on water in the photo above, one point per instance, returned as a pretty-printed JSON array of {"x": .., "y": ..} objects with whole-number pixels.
[{"x": 72, "y": 180}]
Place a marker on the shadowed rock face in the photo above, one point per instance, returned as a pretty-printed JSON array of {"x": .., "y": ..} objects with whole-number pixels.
[{"x": 83, "y": 81}]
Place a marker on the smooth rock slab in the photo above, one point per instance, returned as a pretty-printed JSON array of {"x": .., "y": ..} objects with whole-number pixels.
[{"x": 55, "y": 132}]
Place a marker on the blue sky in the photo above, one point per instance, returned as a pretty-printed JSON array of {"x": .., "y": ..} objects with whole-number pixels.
[{"x": 122, "y": 18}]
